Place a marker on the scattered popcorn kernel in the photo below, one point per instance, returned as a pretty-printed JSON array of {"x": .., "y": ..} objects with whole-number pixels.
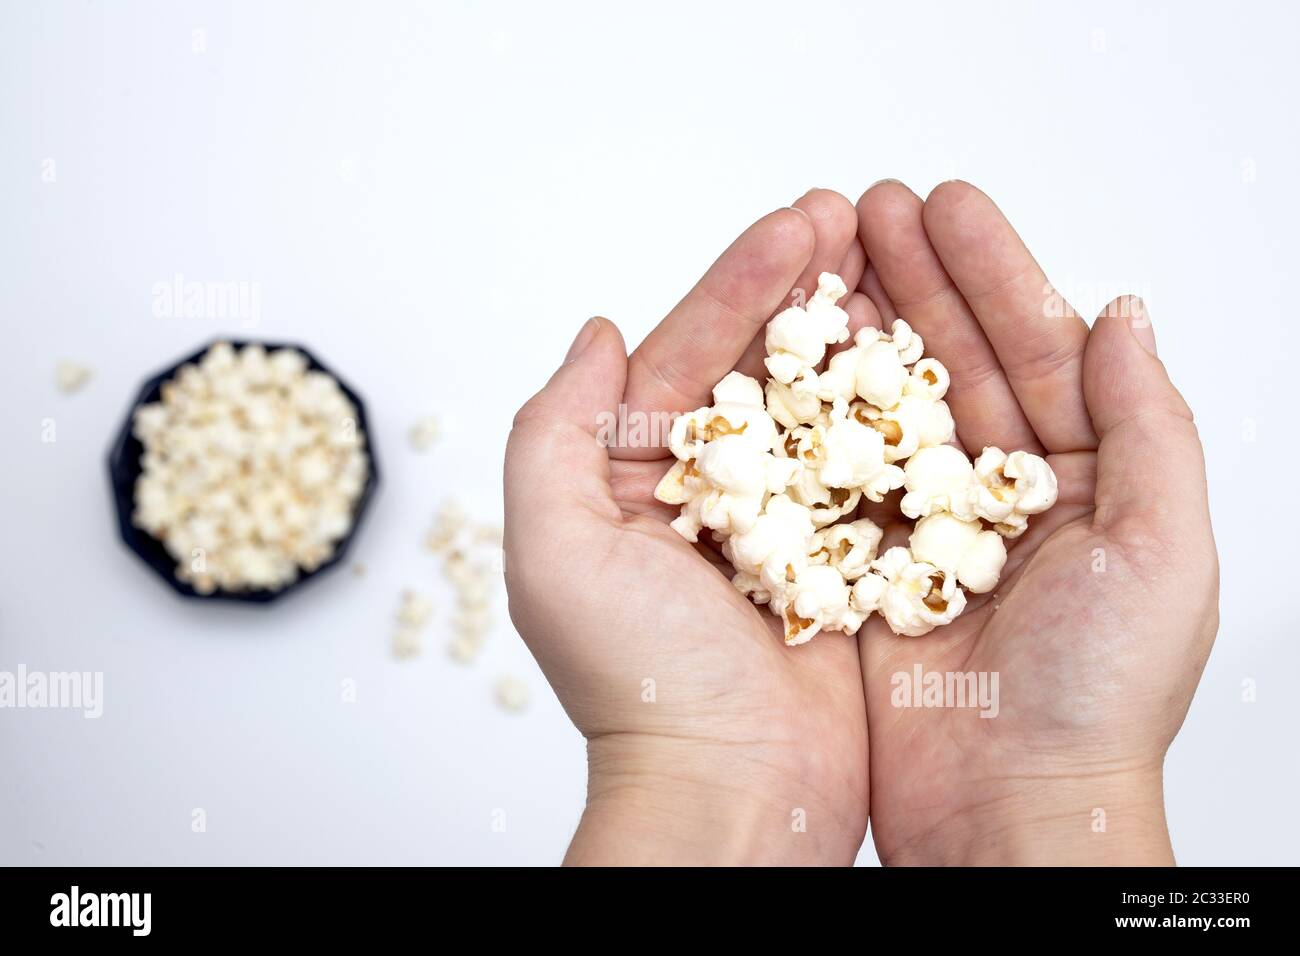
[
  {"x": 449, "y": 522},
  {"x": 407, "y": 643},
  {"x": 512, "y": 694},
  {"x": 424, "y": 433},
  {"x": 465, "y": 648},
  {"x": 414, "y": 610},
  {"x": 70, "y": 377}
]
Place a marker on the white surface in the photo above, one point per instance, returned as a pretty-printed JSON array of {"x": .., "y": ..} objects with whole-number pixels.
[{"x": 421, "y": 190}]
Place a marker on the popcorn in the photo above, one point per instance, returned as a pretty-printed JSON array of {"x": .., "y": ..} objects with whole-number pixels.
[
  {"x": 791, "y": 408},
  {"x": 849, "y": 548},
  {"x": 817, "y": 599},
  {"x": 425, "y": 432},
  {"x": 937, "y": 479},
  {"x": 797, "y": 338},
  {"x": 915, "y": 422},
  {"x": 1009, "y": 488},
  {"x": 929, "y": 380},
  {"x": 252, "y": 468},
  {"x": 917, "y": 597},
  {"x": 777, "y": 472},
  {"x": 512, "y": 694},
  {"x": 827, "y": 505},
  {"x": 472, "y": 565},
  {"x": 737, "y": 409},
  {"x": 70, "y": 377},
  {"x": 854, "y": 456},
  {"x": 725, "y": 464},
  {"x": 412, "y": 615},
  {"x": 961, "y": 548}
]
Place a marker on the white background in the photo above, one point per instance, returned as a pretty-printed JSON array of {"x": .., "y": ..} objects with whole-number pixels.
[{"x": 434, "y": 197}]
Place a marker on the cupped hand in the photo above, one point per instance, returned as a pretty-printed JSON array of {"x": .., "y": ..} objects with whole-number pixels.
[
  {"x": 1108, "y": 605},
  {"x": 708, "y": 740}
]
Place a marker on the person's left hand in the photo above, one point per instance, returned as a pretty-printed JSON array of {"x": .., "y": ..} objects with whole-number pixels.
[{"x": 708, "y": 740}]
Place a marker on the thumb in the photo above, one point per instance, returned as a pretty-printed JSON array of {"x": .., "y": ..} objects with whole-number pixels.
[
  {"x": 553, "y": 458},
  {"x": 1150, "y": 464}
]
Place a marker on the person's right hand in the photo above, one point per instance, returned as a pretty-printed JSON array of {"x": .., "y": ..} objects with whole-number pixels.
[{"x": 1108, "y": 605}]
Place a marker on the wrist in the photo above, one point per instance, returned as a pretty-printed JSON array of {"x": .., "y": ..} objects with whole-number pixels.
[
  {"x": 677, "y": 802},
  {"x": 1110, "y": 819}
]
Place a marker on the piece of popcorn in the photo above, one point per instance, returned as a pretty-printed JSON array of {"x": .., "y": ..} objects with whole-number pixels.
[
  {"x": 825, "y": 505},
  {"x": 913, "y": 423},
  {"x": 849, "y": 548},
  {"x": 425, "y": 432},
  {"x": 961, "y": 548},
  {"x": 867, "y": 593},
  {"x": 796, "y": 338},
  {"x": 512, "y": 694},
  {"x": 751, "y": 587},
  {"x": 937, "y": 479},
  {"x": 839, "y": 380},
  {"x": 1009, "y": 488},
  {"x": 918, "y": 596},
  {"x": 731, "y": 480},
  {"x": 447, "y": 526},
  {"x": 853, "y": 456},
  {"x": 407, "y": 642},
  {"x": 775, "y": 548},
  {"x": 929, "y": 380},
  {"x": 414, "y": 610},
  {"x": 71, "y": 377},
  {"x": 818, "y": 599},
  {"x": 790, "y": 408},
  {"x": 737, "y": 410},
  {"x": 464, "y": 648},
  {"x": 880, "y": 374}
]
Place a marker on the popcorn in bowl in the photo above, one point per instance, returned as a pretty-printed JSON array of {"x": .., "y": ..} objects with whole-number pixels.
[
  {"x": 246, "y": 469},
  {"x": 777, "y": 471}
]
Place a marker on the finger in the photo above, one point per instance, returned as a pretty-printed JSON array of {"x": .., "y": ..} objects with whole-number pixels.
[
  {"x": 983, "y": 404},
  {"x": 1150, "y": 464},
  {"x": 835, "y": 227},
  {"x": 870, "y": 287},
  {"x": 556, "y": 465},
  {"x": 1039, "y": 339},
  {"x": 855, "y": 260},
  {"x": 689, "y": 352}
]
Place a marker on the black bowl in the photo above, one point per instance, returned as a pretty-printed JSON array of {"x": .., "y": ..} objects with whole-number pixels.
[{"x": 124, "y": 470}]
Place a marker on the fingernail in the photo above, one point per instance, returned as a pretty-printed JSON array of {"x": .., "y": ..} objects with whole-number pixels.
[
  {"x": 1139, "y": 323},
  {"x": 881, "y": 182},
  {"x": 585, "y": 335}
]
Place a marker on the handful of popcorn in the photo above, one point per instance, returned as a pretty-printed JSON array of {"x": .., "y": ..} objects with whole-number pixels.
[{"x": 776, "y": 474}]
